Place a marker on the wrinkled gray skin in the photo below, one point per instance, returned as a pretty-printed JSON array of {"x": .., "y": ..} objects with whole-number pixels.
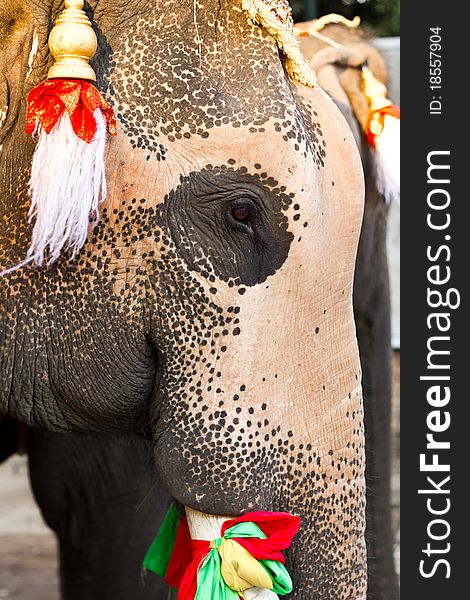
[
  {"x": 212, "y": 305},
  {"x": 104, "y": 519}
]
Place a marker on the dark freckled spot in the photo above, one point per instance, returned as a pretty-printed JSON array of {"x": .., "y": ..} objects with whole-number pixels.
[
  {"x": 236, "y": 331},
  {"x": 241, "y": 291},
  {"x": 213, "y": 290},
  {"x": 305, "y": 224},
  {"x": 317, "y": 329},
  {"x": 242, "y": 387},
  {"x": 296, "y": 217}
]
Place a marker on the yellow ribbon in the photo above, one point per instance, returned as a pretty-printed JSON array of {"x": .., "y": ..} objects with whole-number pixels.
[{"x": 240, "y": 569}]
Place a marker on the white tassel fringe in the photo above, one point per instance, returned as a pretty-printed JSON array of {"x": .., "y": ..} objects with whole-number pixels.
[
  {"x": 67, "y": 184},
  {"x": 387, "y": 157}
]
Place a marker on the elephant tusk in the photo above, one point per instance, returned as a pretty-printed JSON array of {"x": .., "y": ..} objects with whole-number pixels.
[
  {"x": 203, "y": 526},
  {"x": 260, "y": 594}
]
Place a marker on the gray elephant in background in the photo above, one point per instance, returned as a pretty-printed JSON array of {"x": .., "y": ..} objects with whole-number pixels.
[{"x": 339, "y": 73}]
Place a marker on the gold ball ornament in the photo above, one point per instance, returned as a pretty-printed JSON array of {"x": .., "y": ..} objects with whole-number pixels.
[{"x": 72, "y": 43}]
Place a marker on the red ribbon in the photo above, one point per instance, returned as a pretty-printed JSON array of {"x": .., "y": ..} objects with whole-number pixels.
[
  {"x": 48, "y": 100},
  {"x": 391, "y": 110},
  {"x": 279, "y": 529},
  {"x": 181, "y": 555},
  {"x": 188, "y": 584}
]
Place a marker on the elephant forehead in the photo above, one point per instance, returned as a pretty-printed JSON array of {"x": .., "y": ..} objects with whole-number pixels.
[
  {"x": 174, "y": 77},
  {"x": 320, "y": 172},
  {"x": 134, "y": 170}
]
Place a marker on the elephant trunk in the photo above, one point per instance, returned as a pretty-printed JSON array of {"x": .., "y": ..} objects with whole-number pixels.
[
  {"x": 324, "y": 561},
  {"x": 315, "y": 472},
  {"x": 264, "y": 411}
]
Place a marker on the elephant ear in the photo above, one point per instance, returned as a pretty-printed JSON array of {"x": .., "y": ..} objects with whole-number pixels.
[
  {"x": 70, "y": 121},
  {"x": 14, "y": 26}
]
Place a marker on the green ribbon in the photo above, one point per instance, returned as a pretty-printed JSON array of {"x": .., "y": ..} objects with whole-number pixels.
[
  {"x": 282, "y": 582},
  {"x": 158, "y": 555},
  {"x": 210, "y": 583}
]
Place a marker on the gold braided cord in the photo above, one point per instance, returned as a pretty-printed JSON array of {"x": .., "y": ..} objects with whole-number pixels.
[
  {"x": 334, "y": 19},
  {"x": 314, "y": 27},
  {"x": 276, "y": 17}
]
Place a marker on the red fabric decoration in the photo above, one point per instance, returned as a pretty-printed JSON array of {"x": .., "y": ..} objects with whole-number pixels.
[
  {"x": 188, "y": 585},
  {"x": 279, "y": 529},
  {"x": 181, "y": 555},
  {"x": 48, "y": 100},
  {"x": 378, "y": 117}
]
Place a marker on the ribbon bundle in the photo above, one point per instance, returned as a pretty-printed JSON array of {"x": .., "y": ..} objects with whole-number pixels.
[{"x": 247, "y": 554}]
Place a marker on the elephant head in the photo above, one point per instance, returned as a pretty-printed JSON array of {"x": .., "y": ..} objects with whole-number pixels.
[{"x": 211, "y": 306}]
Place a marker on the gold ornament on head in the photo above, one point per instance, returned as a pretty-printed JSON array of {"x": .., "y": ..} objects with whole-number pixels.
[
  {"x": 72, "y": 43},
  {"x": 375, "y": 91}
]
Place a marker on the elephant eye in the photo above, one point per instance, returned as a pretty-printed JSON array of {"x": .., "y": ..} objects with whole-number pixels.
[{"x": 243, "y": 215}]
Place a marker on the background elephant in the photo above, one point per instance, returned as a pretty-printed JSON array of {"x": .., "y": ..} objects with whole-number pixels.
[
  {"x": 338, "y": 71},
  {"x": 190, "y": 314}
]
